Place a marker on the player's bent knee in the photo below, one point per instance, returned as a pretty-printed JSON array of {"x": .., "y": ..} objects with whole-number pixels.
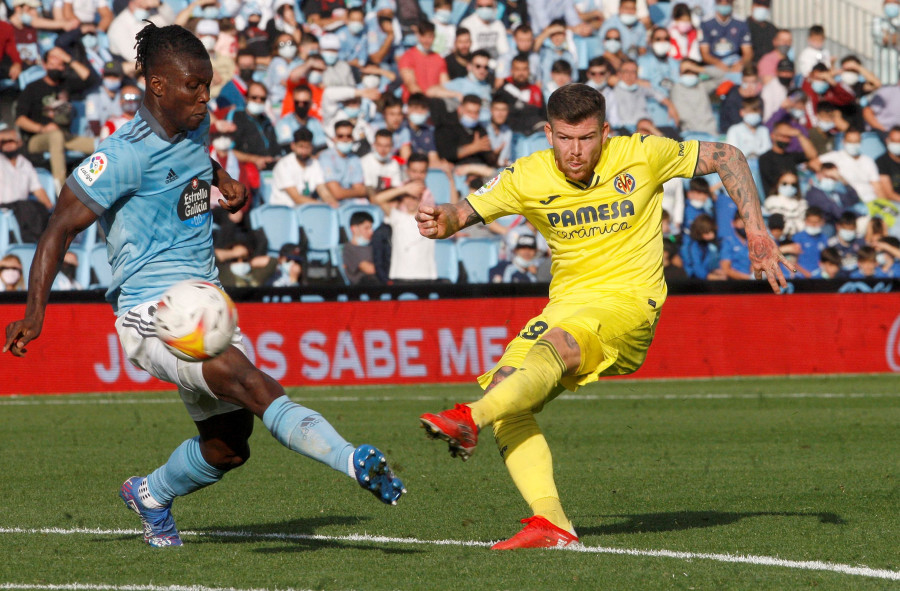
[
  {"x": 566, "y": 346},
  {"x": 232, "y": 378}
]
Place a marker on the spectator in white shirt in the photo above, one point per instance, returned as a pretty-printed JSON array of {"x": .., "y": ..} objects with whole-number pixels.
[
  {"x": 858, "y": 169},
  {"x": 380, "y": 170},
  {"x": 487, "y": 31},
  {"x": 750, "y": 135},
  {"x": 296, "y": 176}
]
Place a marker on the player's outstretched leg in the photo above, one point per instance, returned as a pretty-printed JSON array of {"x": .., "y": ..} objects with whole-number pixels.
[{"x": 307, "y": 432}]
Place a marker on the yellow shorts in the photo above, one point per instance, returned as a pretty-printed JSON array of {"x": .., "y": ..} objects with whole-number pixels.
[{"x": 613, "y": 333}]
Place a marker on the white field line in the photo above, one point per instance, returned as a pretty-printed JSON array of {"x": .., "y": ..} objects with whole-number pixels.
[
  {"x": 67, "y": 400},
  {"x": 813, "y": 565},
  {"x": 104, "y": 587}
]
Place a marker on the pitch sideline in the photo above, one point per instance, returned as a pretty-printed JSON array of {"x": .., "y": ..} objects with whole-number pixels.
[{"x": 811, "y": 565}]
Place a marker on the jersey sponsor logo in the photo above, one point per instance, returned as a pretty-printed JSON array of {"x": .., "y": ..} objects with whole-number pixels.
[
  {"x": 624, "y": 183},
  {"x": 488, "y": 185},
  {"x": 580, "y": 220},
  {"x": 90, "y": 172},
  {"x": 193, "y": 205}
]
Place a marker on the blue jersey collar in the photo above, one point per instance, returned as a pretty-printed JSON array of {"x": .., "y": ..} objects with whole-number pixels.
[{"x": 156, "y": 127}]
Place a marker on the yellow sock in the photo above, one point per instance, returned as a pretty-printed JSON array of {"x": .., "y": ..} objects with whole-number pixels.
[
  {"x": 526, "y": 388},
  {"x": 528, "y": 460}
]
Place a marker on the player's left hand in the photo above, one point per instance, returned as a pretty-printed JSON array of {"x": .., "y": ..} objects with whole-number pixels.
[
  {"x": 235, "y": 195},
  {"x": 766, "y": 258}
]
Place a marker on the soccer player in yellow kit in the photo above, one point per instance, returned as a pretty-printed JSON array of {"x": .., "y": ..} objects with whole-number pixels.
[{"x": 598, "y": 202}]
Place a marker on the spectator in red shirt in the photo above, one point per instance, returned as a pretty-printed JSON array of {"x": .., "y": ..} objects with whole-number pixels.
[
  {"x": 423, "y": 70},
  {"x": 10, "y": 62},
  {"x": 820, "y": 85}
]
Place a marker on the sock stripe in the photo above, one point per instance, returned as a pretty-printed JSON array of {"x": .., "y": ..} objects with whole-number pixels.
[{"x": 556, "y": 356}]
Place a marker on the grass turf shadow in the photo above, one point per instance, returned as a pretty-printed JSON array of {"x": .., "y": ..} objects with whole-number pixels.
[{"x": 682, "y": 520}]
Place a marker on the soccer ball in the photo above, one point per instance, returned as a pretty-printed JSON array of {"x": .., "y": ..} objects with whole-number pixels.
[{"x": 195, "y": 320}]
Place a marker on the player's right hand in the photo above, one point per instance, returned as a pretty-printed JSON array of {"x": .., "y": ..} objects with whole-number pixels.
[
  {"x": 19, "y": 334},
  {"x": 426, "y": 218}
]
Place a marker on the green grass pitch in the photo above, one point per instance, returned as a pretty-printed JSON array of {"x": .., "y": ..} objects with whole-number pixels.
[{"x": 798, "y": 469}]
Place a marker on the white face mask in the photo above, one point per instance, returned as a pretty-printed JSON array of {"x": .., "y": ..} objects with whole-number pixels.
[
  {"x": 222, "y": 144},
  {"x": 612, "y": 45},
  {"x": 10, "y": 276},
  {"x": 697, "y": 203},
  {"x": 661, "y": 48},
  {"x": 813, "y": 230},
  {"x": 849, "y": 78},
  {"x": 255, "y": 108},
  {"x": 628, "y": 19},
  {"x": 852, "y": 148},
  {"x": 287, "y": 51},
  {"x": 847, "y": 235},
  {"x": 881, "y": 259},
  {"x": 787, "y": 190},
  {"x": 209, "y": 43},
  {"x": 240, "y": 268},
  {"x": 521, "y": 262},
  {"x": 314, "y": 77}
]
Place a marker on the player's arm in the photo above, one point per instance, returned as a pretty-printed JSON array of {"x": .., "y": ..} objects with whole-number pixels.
[
  {"x": 70, "y": 217},
  {"x": 235, "y": 194},
  {"x": 731, "y": 165},
  {"x": 445, "y": 220}
]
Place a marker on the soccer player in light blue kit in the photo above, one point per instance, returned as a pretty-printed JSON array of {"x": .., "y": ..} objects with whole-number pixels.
[{"x": 149, "y": 185}]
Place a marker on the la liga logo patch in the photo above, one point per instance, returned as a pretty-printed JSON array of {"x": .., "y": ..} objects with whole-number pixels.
[
  {"x": 93, "y": 168},
  {"x": 488, "y": 186},
  {"x": 624, "y": 183}
]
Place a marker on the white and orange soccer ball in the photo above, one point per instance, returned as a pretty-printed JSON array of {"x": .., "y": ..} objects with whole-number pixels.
[{"x": 195, "y": 320}]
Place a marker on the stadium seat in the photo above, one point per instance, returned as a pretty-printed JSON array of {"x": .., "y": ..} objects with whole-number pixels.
[
  {"x": 100, "y": 266},
  {"x": 30, "y": 75},
  {"x": 83, "y": 246},
  {"x": 279, "y": 224},
  {"x": 320, "y": 224},
  {"x": 446, "y": 258},
  {"x": 871, "y": 145},
  {"x": 345, "y": 212},
  {"x": 48, "y": 183},
  {"x": 478, "y": 255},
  {"x": 25, "y": 252},
  {"x": 266, "y": 181},
  {"x": 530, "y": 144},
  {"x": 9, "y": 225},
  {"x": 439, "y": 184}
]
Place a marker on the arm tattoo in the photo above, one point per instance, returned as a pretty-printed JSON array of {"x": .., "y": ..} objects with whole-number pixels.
[{"x": 732, "y": 167}]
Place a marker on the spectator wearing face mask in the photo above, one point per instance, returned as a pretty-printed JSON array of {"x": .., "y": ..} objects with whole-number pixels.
[
  {"x": 833, "y": 195},
  {"x": 858, "y": 169},
  {"x": 523, "y": 265},
  {"x": 342, "y": 168},
  {"x": 867, "y": 265},
  {"x": 775, "y": 91},
  {"x": 421, "y": 133},
  {"x": 105, "y": 102},
  {"x": 726, "y": 44},
  {"x": 700, "y": 252},
  {"x": 283, "y": 60},
  {"x": 815, "y": 51},
  {"x": 289, "y": 273},
  {"x": 829, "y": 266},
  {"x": 18, "y": 180},
  {"x": 767, "y": 65},
  {"x": 655, "y": 66},
  {"x": 820, "y": 86},
  {"x": 690, "y": 97},
  {"x": 889, "y": 165},
  {"x": 632, "y": 32},
  {"x": 685, "y": 38},
  {"x": 846, "y": 241},
  {"x": 631, "y": 98},
  {"x": 612, "y": 48},
  {"x": 234, "y": 92},
  {"x": 130, "y": 21},
  {"x": 300, "y": 116},
  {"x": 380, "y": 170},
  {"x": 811, "y": 239},
  {"x": 750, "y": 135},
  {"x": 297, "y": 175},
  {"x": 829, "y": 123},
  {"x": 358, "y": 257},
  {"x": 130, "y": 99},
  {"x": 554, "y": 46},
  {"x": 788, "y": 202},
  {"x": 735, "y": 257},
  {"x": 487, "y": 31},
  {"x": 888, "y": 257},
  {"x": 11, "y": 278},
  {"x": 423, "y": 70},
  {"x": 781, "y": 159},
  {"x": 254, "y": 137},
  {"x": 45, "y": 114}
]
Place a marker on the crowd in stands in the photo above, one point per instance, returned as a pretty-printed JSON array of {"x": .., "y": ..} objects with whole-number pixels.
[{"x": 343, "y": 116}]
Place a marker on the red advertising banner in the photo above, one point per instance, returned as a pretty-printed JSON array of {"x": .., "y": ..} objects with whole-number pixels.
[{"x": 422, "y": 341}]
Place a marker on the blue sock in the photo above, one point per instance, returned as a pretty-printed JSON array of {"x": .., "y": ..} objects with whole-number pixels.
[
  {"x": 185, "y": 472},
  {"x": 307, "y": 432}
]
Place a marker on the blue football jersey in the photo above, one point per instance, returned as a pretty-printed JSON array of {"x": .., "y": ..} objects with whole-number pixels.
[{"x": 152, "y": 193}]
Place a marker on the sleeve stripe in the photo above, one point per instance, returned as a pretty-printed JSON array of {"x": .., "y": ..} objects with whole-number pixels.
[{"x": 82, "y": 196}]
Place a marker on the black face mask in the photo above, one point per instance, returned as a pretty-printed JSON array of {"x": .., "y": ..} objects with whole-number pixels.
[
  {"x": 246, "y": 74},
  {"x": 302, "y": 159},
  {"x": 786, "y": 82},
  {"x": 302, "y": 112},
  {"x": 68, "y": 269},
  {"x": 13, "y": 154},
  {"x": 783, "y": 145},
  {"x": 56, "y": 75},
  {"x": 252, "y": 24}
]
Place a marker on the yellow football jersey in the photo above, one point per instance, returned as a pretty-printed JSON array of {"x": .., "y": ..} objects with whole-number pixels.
[{"x": 606, "y": 234}]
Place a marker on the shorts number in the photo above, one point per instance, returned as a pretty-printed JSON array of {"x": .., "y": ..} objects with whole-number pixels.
[{"x": 535, "y": 330}]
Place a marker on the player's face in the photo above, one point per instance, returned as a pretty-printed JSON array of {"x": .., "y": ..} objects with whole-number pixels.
[
  {"x": 183, "y": 91},
  {"x": 577, "y": 146}
]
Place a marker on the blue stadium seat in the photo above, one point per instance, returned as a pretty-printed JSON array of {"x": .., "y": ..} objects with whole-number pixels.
[
  {"x": 48, "y": 183},
  {"x": 446, "y": 257},
  {"x": 478, "y": 255},
  {"x": 30, "y": 75},
  {"x": 266, "y": 181},
  {"x": 100, "y": 266},
  {"x": 871, "y": 145},
  {"x": 320, "y": 223},
  {"x": 25, "y": 252},
  {"x": 439, "y": 184},
  {"x": 83, "y": 246},
  {"x": 8, "y": 225},
  {"x": 279, "y": 224},
  {"x": 530, "y": 144},
  {"x": 345, "y": 212}
]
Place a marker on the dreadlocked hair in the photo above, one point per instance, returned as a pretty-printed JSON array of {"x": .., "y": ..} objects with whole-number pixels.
[{"x": 155, "y": 45}]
